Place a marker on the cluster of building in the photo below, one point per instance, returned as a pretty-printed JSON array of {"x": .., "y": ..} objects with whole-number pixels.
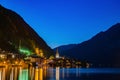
[
  {"x": 66, "y": 62},
  {"x": 8, "y": 58},
  {"x": 38, "y": 59}
]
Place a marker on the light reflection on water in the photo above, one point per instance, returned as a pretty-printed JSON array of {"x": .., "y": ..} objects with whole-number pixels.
[{"x": 45, "y": 73}]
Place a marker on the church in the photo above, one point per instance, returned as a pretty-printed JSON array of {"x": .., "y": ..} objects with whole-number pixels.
[{"x": 57, "y": 54}]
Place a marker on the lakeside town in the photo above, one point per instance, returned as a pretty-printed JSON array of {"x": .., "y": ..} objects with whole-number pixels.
[
  {"x": 59, "y": 40},
  {"x": 38, "y": 59}
]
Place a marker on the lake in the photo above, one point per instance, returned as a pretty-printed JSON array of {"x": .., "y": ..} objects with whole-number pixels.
[{"x": 48, "y": 73}]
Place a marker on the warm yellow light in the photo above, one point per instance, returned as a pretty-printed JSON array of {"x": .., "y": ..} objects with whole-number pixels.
[
  {"x": 2, "y": 55},
  {"x": 4, "y": 62},
  {"x": 37, "y": 50},
  {"x": 36, "y": 74},
  {"x": 16, "y": 62},
  {"x": 41, "y": 53},
  {"x": 57, "y": 73},
  {"x": 51, "y": 57},
  {"x": 41, "y": 74}
]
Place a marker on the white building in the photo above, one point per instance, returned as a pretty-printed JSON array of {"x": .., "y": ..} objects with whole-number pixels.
[{"x": 57, "y": 54}]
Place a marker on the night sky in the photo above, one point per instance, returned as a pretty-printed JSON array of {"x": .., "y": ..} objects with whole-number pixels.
[{"x": 61, "y": 22}]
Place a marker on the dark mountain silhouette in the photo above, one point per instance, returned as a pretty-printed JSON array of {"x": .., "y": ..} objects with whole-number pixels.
[
  {"x": 103, "y": 49},
  {"x": 15, "y": 32},
  {"x": 63, "y": 48}
]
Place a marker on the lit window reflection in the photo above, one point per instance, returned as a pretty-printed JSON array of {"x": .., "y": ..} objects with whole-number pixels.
[
  {"x": 57, "y": 73},
  {"x": 36, "y": 74},
  {"x": 41, "y": 74}
]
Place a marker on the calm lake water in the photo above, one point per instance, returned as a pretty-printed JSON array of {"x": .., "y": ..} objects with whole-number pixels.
[{"x": 45, "y": 73}]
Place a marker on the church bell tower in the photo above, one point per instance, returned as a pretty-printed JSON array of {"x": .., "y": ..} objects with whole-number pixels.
[{"x": 57, "y": 53}]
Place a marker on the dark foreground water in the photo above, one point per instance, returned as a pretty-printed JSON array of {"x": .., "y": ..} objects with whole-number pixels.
[{"x": 45, "y": 73}]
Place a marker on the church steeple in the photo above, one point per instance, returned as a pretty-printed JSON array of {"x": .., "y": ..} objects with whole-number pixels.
[{"x": 57, "y": 53}]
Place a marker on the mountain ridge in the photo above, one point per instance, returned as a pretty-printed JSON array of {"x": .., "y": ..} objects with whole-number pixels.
[
  {"x": 14, "y": 29},
  {"x": 103, "y": 48}
]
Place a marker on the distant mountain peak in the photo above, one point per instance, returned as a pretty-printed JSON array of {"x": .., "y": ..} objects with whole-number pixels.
[
  {"x": 114, "y": 27},
  {"x": 103, "y": 48}
]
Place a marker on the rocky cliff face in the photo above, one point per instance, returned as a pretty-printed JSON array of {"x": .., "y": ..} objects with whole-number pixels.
[{"x": 15, "y": 32}]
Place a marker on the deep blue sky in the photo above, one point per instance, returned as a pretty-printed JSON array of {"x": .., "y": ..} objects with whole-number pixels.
[{"x": 61, "y": 22}]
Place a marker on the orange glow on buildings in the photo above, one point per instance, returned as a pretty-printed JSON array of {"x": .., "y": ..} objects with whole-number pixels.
[
  {"x": 41, "y": 74},
  {"x": 36, "y": 74}
]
